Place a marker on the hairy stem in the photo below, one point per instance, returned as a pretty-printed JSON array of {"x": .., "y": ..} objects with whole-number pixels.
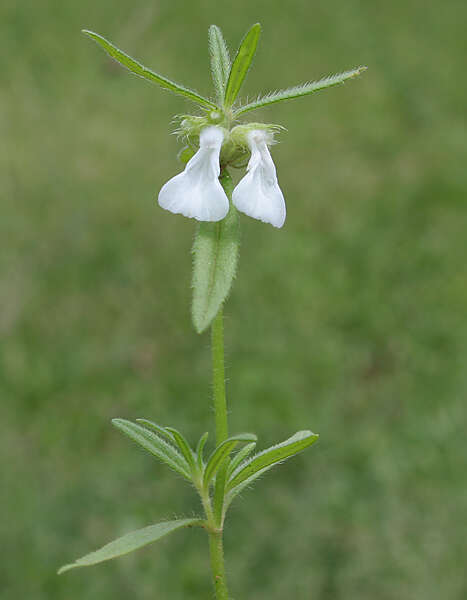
[
  {"x": 222, "y": 432},
  {"x": 217, "y": 565},
  {"x": 218, "y": 377}
]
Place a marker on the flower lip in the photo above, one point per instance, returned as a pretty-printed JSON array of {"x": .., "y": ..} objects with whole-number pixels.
[
  {"x": 196, "y": 192},
  {"x": 258, "y": 194}
]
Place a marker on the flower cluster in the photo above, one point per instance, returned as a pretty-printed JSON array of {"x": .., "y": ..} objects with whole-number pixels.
[{"x": 197, "y": 193}]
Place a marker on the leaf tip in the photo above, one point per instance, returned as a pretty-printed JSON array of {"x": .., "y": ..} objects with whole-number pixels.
[{"x": 65, "y": 568}]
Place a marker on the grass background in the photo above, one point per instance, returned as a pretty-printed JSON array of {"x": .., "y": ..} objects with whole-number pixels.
[{"x": 351, "y": 320}]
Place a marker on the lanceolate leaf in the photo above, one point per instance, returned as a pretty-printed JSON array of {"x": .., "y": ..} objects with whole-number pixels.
[
  {"x": 215, "y": 254},
  {"x": 271, "y": 456},
  {"x": 131, "y": 541},
  {"x": 299, "y": 90},
  {"x": 220, "y": 61},
  {"x": 241, "y": 486},
  {"x": 157, "y": 428},
  {"x": 239, "y": 457},
  {"x": 199, "y": 449},
  {"x": 221, "y": 452},
  {"x": 241, "y": 64},
  {"x": 132, "y": 65},
  {"x": 155, "y": 445},
  {"x": 183, "y": 445}
]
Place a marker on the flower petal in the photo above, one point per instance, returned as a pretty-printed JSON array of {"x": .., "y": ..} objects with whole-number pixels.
[
  {"x": 197, "y": 193},
  {"x": 258, "y": 194}
]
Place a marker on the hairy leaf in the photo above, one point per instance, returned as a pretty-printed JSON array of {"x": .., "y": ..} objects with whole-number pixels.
[
  {"x": 241, "y": 486},
  {"x": 222, "y": 452},
  {"x": 155, "y": 445},
  {"x": 135, "y": 67},
  {"x": 299, "y": 90},
  {"x": 131, "y": 541},
  {"x": 271, "y": 456},
  {"x": 200, "y": 448},
  {"x": 157, "y": 428},
  {"x": 183, "y": 445},
  {"x": 239, "y": 457},
  {"x": 241, "y": 64},
  {"x": 215, "y": 254},
  {"x": 220, "y": 61}
]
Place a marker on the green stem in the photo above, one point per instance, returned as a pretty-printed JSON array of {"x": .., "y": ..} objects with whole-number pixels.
[
  {"x": 218, "y": 377},
  {"x": 222, "y": 433},
  {"x": 217, "y": 565}
]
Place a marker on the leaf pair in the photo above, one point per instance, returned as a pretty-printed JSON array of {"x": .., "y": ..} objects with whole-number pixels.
[{"x": 228, "y": 78}]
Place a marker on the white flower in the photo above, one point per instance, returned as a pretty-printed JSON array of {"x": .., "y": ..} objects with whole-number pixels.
[
  {"x": 258, "y": 194},
  {"x": 196, "y": 192}
]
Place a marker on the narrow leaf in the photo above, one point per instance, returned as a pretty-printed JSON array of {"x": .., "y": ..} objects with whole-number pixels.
[
  {"x": 239, "y": 457},
  {"x": 183, "y": 445},
  {"x": 200, "y": 448},
  {"x": 220, "y": 61},
  {"x": 155, "y": 445},
  {"x": 244, "y": 484},
  {"x": 135, "y": 67},
  {"x": 299, "y": 90},
  {"x": 271, "y": 456},
  {"x": 157, "y": 428},
  {"x": 215, "y": 254},
  {"x": 131, "y": 541},
  {"x": 241, "y": 64},
  {"x": 221, "y": 453}
]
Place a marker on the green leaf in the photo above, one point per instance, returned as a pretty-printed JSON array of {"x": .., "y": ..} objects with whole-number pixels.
[
  {"x": 222, "y": 452},
  {"x": 131, "y": 541},
  {"x": 157, "y": 428},
  {"x": 183, "y": 445},
  {"x": 220, "y": 61},
  {"x": 299, "y": 90},
  {"x": 239, "y": 457},
  {"x": 135, "y": 67},
  {"x": 241, "y": 486},
  {"x": 271, "y": 456},
  {"x": 155, "y": 445},
  {"x": 241, "y": 64},
  {"x": 215, "y": 255},
  {"x": 200, "y": 448}
]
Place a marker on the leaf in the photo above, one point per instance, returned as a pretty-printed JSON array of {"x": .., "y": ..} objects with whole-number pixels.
[
  {"x": 200, "y": 448},
  {"x": 241, "y": 64},
  {"x": 271, "y": 456},
  {"x": 220, "y": 60},
  {"x": 155, "y": 445},
  {"x": 131, "y": 541},
  {"x": 157, "y": 428},
  {"x": 221, "y": 452},
  {"x": 299, "y": 90},
  {"x": 241, "y": 486},
  {"x": 183, "y": 445},
  {"x": 215, "y": 255},
  {"x": 240, "y": 456},
  {"x": 135, "y": 67}
]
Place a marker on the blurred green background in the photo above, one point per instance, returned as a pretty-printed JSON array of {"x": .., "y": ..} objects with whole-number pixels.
[{"x": 350, "y": 321}]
